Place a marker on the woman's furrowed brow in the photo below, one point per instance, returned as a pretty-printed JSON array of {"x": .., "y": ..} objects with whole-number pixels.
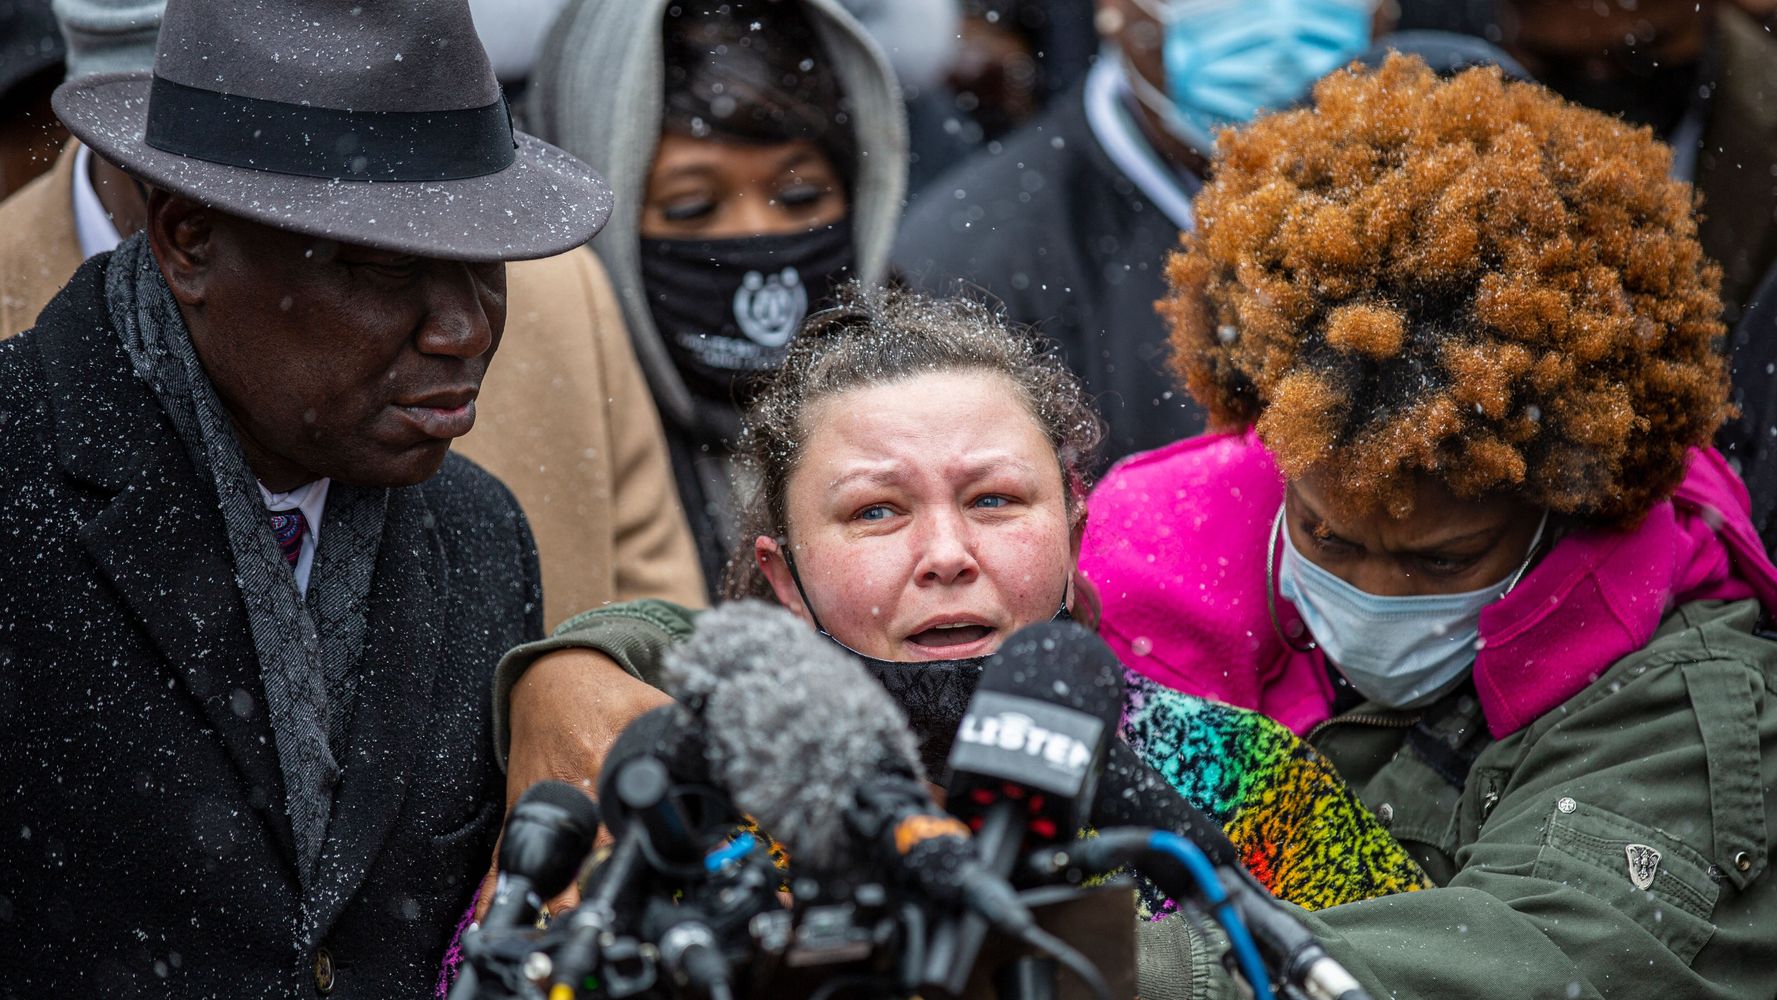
[
  {"x": 966, "y": 468},
  {"x": 981, "y": 465},
  {"x": 868, "y": 474},
  {"x": 1435, "y": 545}
]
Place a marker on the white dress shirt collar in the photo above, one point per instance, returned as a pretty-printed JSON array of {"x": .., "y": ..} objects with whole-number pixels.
[
  {"x": 1168, "y": 188},
  {"x": 311, "y": 499},
  {"x": 92, "y": 224}
]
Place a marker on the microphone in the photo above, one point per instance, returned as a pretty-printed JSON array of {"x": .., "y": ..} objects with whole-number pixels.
[
  {"x": 1292, "y": 949},
  {"x": 548, "y": 835},
  {"x": 659, "y": 749},
  {"x": 1027, "y": 757},
  {"x": 793, "y": 724},
  {"x": 808, "y": 744}
]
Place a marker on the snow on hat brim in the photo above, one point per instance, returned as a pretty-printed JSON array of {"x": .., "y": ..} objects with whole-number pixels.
[{"x": 545, "y": 203}]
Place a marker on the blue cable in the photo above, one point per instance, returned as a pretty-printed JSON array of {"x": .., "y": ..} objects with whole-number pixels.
[
  {"x": 1246, "y": 952},
  {"x": 738, "y": 848}
]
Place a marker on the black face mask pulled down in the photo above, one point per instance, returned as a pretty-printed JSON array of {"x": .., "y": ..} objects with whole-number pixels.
[
  {"x": 934, "y": 693},
  {"x": 727, "y": 309}
]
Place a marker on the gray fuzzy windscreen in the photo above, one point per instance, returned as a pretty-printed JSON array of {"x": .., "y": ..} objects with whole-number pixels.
[{"x": 795, "y": 724}]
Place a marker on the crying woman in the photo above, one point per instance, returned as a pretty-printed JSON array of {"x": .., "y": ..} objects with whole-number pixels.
[{"x": 922, "y": 481}]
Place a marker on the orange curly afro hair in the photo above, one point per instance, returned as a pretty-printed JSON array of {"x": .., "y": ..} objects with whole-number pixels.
[{"x": 1468, "y": 279}]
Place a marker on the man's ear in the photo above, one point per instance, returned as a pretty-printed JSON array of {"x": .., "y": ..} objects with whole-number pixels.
[
  {"x": 769, "y": 554},
  {"x": 182, "y": 234}
]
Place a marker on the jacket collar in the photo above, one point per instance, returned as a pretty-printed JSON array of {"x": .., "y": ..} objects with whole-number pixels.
[
  {"x": 1106, "y": 97},
  {"x": 103, "y": 414},
  {"x": 1600, "y": 595}
]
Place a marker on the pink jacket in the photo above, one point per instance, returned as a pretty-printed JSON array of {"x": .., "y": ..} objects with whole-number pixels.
[{"x": 1175, "y": 544}]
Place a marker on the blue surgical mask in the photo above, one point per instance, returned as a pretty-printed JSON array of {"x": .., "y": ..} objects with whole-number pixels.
[
  {"x": 1227, "y": 60},
  {"x": 1401, "y": 651}
]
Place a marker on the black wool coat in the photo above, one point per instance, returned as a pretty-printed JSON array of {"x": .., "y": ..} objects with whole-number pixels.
[
  {"x": 144, "y": 846},
  {"x": 1047, "y": 224}
]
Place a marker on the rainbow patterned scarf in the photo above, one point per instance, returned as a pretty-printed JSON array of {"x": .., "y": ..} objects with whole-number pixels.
[{"x": 1299, "y": 828}]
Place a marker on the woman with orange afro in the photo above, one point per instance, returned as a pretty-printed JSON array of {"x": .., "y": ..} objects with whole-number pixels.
[{"x": 1462, "y": 529}]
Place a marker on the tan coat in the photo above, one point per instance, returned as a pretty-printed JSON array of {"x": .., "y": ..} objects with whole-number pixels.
[{"x": 564, "y": 418}]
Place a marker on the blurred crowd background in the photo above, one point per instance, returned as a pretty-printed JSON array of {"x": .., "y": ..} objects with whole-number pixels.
[{"x": 1046, "y": 157}]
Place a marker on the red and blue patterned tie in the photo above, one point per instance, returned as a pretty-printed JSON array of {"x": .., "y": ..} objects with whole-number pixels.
[{"x": 289, "y": 526}]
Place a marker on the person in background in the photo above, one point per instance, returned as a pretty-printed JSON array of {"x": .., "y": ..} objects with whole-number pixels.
[
  {"x": 30, "y": 64},
  {"x": 758, "y": 155},
  {"x": 252, "y": 603},
  {"x": 1746, "y": 438},
  {"x": 1069, "y": 221},
  {"x": 565, "y": 420},
  {"x": 922, "y": 40},
  {"x": 1703, "y": 77},
  {"x": 1017, "y": 56},
  {"x": 1460, "y": 526}
]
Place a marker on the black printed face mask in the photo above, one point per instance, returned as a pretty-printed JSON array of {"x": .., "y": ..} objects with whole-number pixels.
[
  {"x": 727, "y": 309},
  {"x": 935, "y": 695}
]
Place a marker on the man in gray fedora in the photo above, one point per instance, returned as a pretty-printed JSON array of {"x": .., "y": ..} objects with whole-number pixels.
[{"x": 251, "y": 604}]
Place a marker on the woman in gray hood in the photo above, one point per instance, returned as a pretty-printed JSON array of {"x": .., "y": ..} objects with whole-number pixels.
[{"x": 757, "y": 152}]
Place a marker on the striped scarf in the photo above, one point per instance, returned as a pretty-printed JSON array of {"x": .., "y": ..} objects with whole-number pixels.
[{"x": 307, "y": 649}]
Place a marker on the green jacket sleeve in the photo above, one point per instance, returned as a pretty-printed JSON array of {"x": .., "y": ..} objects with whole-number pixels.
[
  {"x": 1176, "y": 959},
  {"x": 1614, "y": 848},
  {"x": 636, "y": 634}
]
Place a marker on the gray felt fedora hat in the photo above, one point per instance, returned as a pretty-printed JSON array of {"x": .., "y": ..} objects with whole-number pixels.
[{"x": 377, "y": 122}]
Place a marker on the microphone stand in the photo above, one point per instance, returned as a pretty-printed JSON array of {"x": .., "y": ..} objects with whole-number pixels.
[
  {"x": 1028, "y": 977},
  {"x": 957, "y": 940}
]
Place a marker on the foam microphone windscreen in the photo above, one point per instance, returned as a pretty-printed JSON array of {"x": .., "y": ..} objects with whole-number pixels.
[{"x": 794, "y": 723}]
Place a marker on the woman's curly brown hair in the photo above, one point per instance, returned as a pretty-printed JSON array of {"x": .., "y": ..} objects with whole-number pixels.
[
  {"x": 878, "y": 336},
  {"x": 1468, "y": 279}
]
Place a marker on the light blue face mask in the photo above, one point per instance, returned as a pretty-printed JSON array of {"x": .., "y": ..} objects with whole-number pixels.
[
  {"x": 1227, "y": 60},
  {"x": 1400, "y": 651}
]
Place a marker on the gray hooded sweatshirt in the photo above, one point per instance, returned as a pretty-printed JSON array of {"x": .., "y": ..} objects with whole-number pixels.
[{"x": 598, "y": 92}]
